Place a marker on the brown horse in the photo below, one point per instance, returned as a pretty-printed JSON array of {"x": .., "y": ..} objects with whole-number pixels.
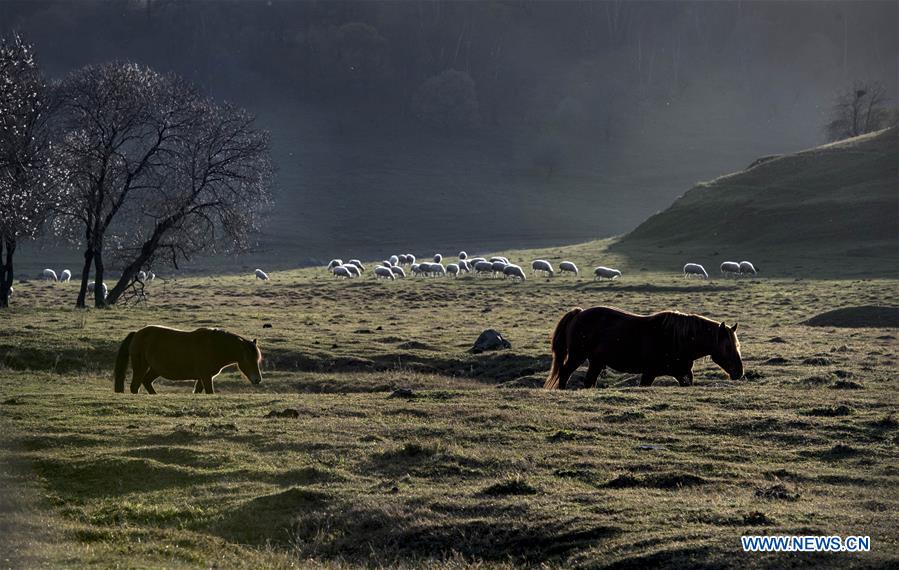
[
  {"x": 661, "y": 344},
  {"x": 180, "y": 355}
]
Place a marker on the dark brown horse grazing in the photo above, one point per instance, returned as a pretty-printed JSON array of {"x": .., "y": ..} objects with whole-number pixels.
[
  {"x": 180, "y": 355},
  {"x": 661, "y": 344}
]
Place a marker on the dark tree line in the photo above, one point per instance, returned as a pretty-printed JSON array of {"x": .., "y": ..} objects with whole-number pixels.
[{"x": 135, "y": 166}]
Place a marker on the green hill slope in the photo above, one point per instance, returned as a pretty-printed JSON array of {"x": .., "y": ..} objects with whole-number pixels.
[{"x": 838, "y": 202}]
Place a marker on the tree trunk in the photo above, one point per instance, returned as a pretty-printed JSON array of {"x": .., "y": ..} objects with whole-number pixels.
[
  {"x": 85, "y": 275},
  {"x": 6, "y": 272},
  {"x": 99, "y": 298}
]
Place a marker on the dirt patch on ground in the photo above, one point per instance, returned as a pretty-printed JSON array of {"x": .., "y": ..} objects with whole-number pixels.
[{"x": 870, "y": 316}]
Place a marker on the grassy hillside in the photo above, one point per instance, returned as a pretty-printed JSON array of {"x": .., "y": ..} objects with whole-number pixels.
[
  {"x": 475, "y": 470},
  {"x": 831, "y": 209}
]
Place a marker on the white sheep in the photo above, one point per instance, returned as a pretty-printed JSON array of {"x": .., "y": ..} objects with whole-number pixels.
[
  {"x": 514, "y": 271},
  {"x": 394, "y": 260},
  {"x": 747, "y": 268},
  {"x": 463, "y": 255},
  {"x": 452, "y": 269},
  {"x": 730, "y": 268},
  {"x": 438, "y": 258},
  {"x": 352, "y": 269},
  {"x": 498, "y": 267},
  {"x": 499, "y": 258},
  {"x": 383, "y": 272},
  {"x": 357, "y": 263},
  {"x": 605, "y": 272},
  {"x": 474, "y": 260},
  {"x": 150, "y": 276},
  {"x": 65, "y": 276},
  {"x": 334, "y": 263},
  {"x": 92, "y": 285},
  {"x": 542, "y": 265},
  {"x": 49, "y": 275},
  {"x": 567, "y": 266},
  {"x": 410, "y": 259},
  {"x": 260, "y": 274},
  {"x": 437, "y": 269},
  {"x": 416, "y": 269},
  {"x": 403, "y": 259},
  {"x": 141, "y": 275},
  {"x": 464, "y": 266},
  {"x": 343, "y": 271},
  {"x": 695, "y": 270},
  {"x": 483, "y": 266},
  {"x": 398, "y": 271}
]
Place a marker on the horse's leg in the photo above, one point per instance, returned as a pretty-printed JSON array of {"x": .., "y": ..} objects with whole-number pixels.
[
  {"x": 207, "y": 385},
  {"x": 571, "y": 364},
  {"x": 148, "y": 380},
  {"x": 138, "y": 370},
  {"x": 593, "y": 371},
  {"x": 647, "y": 379},
  {"x": 198, "y": 387}
]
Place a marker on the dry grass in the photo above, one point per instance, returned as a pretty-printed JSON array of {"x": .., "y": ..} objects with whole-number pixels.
[{"x": 462, "y": 474}]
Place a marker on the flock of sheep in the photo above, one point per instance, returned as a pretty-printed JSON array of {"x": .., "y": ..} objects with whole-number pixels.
[
  {"x": 728, "y": 269},
  {"x": 497, "y": 266},
  {"x": 65, "y": 276}
]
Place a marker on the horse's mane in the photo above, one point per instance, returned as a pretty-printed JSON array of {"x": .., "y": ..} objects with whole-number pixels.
[
  {"x": 235, "y": 336},
  {"x": 682, "y": 328}
]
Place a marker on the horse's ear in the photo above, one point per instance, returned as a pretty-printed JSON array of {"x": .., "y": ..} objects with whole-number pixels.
[
  {"x": 254, "y": 341},
  {"x": 734, "y": 328},
  {"x": 722, "y": 328}
]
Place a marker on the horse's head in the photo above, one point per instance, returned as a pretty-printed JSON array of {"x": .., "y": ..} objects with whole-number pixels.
[
  {"x": 727, "y": 351},
  {"x": 249, "y": 362}
]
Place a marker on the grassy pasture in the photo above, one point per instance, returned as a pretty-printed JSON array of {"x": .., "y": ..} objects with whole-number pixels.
[{"x": 477, "y": 469}]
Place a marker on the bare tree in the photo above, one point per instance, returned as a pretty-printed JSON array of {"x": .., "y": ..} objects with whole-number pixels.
[
  {"x": 26, "y": 194},
  {"x": 119, "y": 122},
  {"x": 860, "y": 110},
  {"x": 209, "y": 193},
  {"x": 157, "y": 172}
]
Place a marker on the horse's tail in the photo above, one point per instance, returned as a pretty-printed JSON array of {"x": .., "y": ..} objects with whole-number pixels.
[
  {"x": 121, "y": 362},
  {"x": 559, "y": 345}
]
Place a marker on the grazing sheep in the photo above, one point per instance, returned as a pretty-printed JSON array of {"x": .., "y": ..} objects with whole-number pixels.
[
  {"x": 150, "y": 276},
  {"x": 334, "y": 263},
  {"x": 730, "y": 268},
  {"x": 569, "y": 267},
  {"x": 483, "y": 266},
  {"x": 464, "y": 266},
  {"x": 141, "y": 275},
  {"x": 92, "y": 285},
  {"x": 65, "y": 276},
  {"x": 452, "y": 269},
  {"x": 499, "y": 258},
  {"x": 475, "y": 260},
  {"x": 606, "y": 272},
  {"x": 49, "y": 275},
  {"x": 463, "y": 255},
  {"x": 403, "y": 259},
  {"x": 260, "y": 274},
  {"x": 747, "y": 268},
  {"x": 343, "y": 271},
  {"x": 398, "y": 271},
  {"x": 695, "y": 270},
  {"x": 498, "y": 267},
  {"x": 11, "y": 291},
  {"x": 383, "y": 272},
  {"x": 416, "y": 269},
  {"x": 514, "y": 271},
  {"x": 410, "y": 259},
  {"x": 437, "y": 269},
  {"x": 386, "y": 263},
  {"x": 352, "y": 269},
  {"x": 394, "y": 260},
  {"x": 357, "y": 263},
  {"x": 544, "y": 266},
  {"x": 438, "y": 258}
]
